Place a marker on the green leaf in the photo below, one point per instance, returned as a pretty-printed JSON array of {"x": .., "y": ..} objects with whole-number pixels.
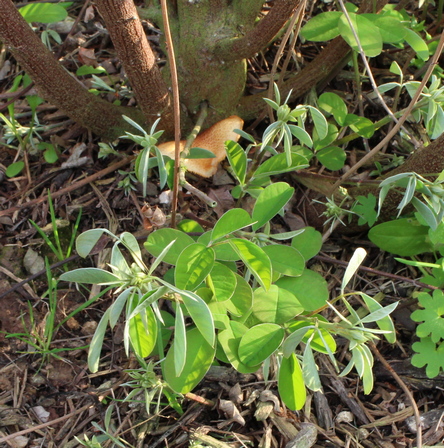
[
  {"x": 385, "y": 323},
  {"x": 392, "y": 29},
  {"x": 302, "y": 331},
  {"x": 361, "y": 125},
  {"x": 332, "y": 157},
  {"x": 301, "y": 134},
  {"x": 115, "y": 310},
  {"x": 276, "y": 305},
  {"x": 278, "y": 165},
  {"x": 15, "y": 168},
  {"x": 222, "y": 282},
  {"x": 193, "y": 265},
  {"x": 229, "y": 222},
  {"x": 333, "y": 104},
  {"x": 309, "y": 370},
  {"x": 285, "y": 259},
  {"x": 89, "y": 70},
  {"x": 291, "y": 383},
  {"x": 230, "y": 339},
  {"x": 159, "y": 239},
  {"x": 259, "y": 342},
  {"x": 353, "y": 265},
  {"x": 368, "y": 34},
  {"x": 199, "y": 356},
  {"x": 429, "y": 354},
  {"x": 431, "y": 316},
  {"x": 223, "y": 250},
  {"x": 96, "y": 343},
  {"x": 310, "y": 289},
  {"x": 87, "y": 240},
  {"x": 237, "y": 159},
  {"x": 43, "y": 12},
  {"x": 322, "y": 27},
  {"x": 365, "y": 207},
  {"x": 143, "y": 332},
  {"x": 332, "y": 135},
  {"x": 308, "y": 243},
  {"x": 200, "y": 153},
  {"x": 405, "y": 237},
  {"x": 416, "y": 42},
  {"x": 93, "y": 276},
  {"x": 255, "y": 259},
  {"x": 271, "y": 200},
  {"x": 242, "y": 299},
  {"x": 319, "y": 122},
  {"x": 180, "y": 341},
  {"x": 201, "y": 315}
]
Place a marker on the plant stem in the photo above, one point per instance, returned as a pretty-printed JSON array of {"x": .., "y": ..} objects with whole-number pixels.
[{"x": 176, "y": 109}]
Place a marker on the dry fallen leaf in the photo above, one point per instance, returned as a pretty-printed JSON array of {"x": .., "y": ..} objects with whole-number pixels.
[
  {"x": 213, "y": 139},
  {"x": 231, "y": 411}
]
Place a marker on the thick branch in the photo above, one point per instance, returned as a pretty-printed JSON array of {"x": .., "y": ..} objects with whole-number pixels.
[
  {"x": 55, "y": 84},
  {"x": 260, "y": 36},
  {"x": 126, "y": 31},
  {"x": 331, "y": 57}
]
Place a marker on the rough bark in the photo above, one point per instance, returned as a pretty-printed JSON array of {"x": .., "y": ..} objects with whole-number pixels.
[
  {"x": 55, "y": 84},
  {"x": 260, "y": 36},
  {"x": 123, "y": 24}
]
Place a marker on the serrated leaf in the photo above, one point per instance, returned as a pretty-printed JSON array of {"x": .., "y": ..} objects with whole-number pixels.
[
  {"x": 430, "y": 355},
  {"x": 431, "y": 316}
]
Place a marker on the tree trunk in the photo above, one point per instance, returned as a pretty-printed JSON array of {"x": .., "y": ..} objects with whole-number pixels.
[
  {"x": 125, "y": 29},
  {"x": 55, "y": 84}
]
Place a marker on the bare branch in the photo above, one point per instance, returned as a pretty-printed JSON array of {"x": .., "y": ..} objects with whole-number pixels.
[
  {"x": 260, "y": 36},
  {"x": 126, "y": 31},
  {"x": 54, "y": 83}
]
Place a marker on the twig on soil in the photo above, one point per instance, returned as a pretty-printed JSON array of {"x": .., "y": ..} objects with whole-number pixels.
[
  {"x": 45, "y": 425},
  {"x": 406, "y": 390},
  {"x": 72, "y": 187},
  {"x": 377, "y": 272}
]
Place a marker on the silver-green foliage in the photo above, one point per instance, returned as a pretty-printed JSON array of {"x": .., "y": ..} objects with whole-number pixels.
[{"x": 248, "y": 297}]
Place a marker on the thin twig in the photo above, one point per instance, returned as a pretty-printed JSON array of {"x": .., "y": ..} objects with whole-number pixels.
[
  {"x": 392, "y": 133},
  {"x": 377, "y": 272},
  {"x": 406, "y": 390},
  {"x": 176, "y": 108},
  {"x": 367, "y": 66},
  {"x": 45, "y": 425},
  {"x": 279, "y": 55},
  {"x": 72, "y": 187}
]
